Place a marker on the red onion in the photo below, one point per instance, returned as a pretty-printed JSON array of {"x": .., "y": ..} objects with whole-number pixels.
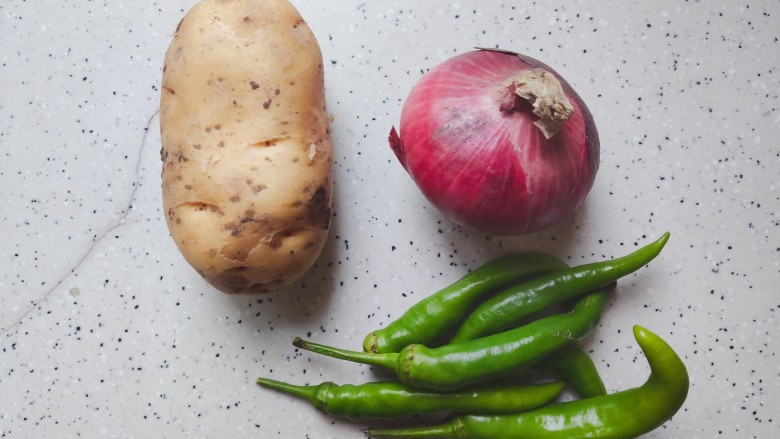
[{"x": 498, "y": 142}]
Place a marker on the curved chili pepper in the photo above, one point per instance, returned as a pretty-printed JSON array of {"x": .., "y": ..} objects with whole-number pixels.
[
  {"x": 457, "y": 365},
  {"x": 391, "y": 399},
  {"x": 576, "y": 368},
  {"x": 510, "y": 306},
  {"x": 433, "y": 317},
  {"x": 621, "y": 415}
]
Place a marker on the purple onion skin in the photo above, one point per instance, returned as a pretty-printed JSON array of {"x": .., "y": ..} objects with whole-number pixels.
[{"x": 486, "y": 169}]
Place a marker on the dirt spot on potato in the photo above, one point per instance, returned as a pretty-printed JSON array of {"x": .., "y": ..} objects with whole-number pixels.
[
  {"x": 256, "y": 188},
  {"x": 233, "y": 278},
  {"x": 275, "y": 242},
  {"x": 200, "y": 206},
  {"x": 249, "y": 232},
  {"x": 267, "y": 143},
  {"x": 318, "y": 208}
]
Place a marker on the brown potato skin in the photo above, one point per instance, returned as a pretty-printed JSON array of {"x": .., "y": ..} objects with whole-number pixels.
[{"x": 246, "y": 148}]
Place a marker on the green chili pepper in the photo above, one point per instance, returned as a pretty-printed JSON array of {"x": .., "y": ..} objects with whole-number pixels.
[
  {"x": 621, "y": 415},
  {"x": 433, "y": 317},
  {"x": 576, "y": 367},
  {"x": 456, "y": 365},
  {"x": 391, "y": 399},
  {"x": 510, "y": 306}
]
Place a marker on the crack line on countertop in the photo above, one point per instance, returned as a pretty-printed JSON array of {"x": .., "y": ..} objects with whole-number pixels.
[{"x": 102, "y": 236}]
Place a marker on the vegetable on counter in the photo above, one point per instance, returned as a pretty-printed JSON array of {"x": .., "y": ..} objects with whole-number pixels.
[
  {"x": 246, "y": 147},
  {"x": 440, "y": 379},
  {"x": 436, "y": 315},
  {"x": 622, "y": 415},
  {"x": 460, "y": 364},
  {"x": 498, "y": 142},
  {"x": 391, "y": 399},
  {"x": 510, "y": 306}
]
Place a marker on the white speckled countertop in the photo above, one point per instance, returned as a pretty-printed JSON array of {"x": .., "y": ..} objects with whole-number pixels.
[{"x": 107, "y": 332}]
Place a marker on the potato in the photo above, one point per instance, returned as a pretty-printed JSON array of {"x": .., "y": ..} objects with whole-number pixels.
[{"x": 246, "y": 148}]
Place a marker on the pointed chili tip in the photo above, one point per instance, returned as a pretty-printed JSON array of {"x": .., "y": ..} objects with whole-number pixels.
[
  {"x": 397, "y": 146},
  {"x": 660, "y": 243},
  {"x": 644, "y": 336}
]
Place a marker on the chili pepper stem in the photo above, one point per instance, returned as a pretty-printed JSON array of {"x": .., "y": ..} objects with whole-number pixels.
[
  {"x": 444, "y": 431},
  {"x": 387, "y": 360},
  {"x": 305, "y": 392}
]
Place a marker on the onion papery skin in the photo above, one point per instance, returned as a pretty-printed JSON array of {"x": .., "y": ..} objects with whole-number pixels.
[{"x": 486, "y": 169}]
